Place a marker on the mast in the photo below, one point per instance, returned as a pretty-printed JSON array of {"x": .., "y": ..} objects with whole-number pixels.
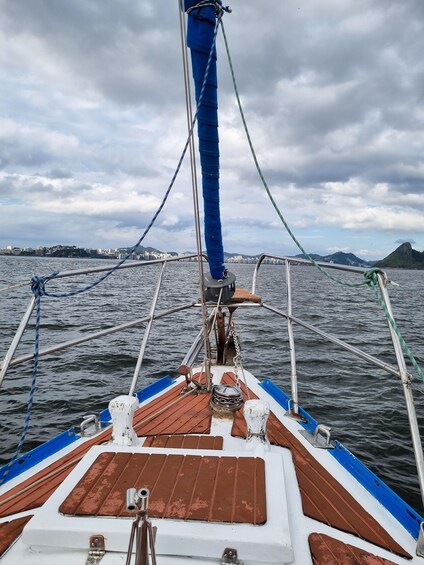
[{"x": 203, "y": 18}]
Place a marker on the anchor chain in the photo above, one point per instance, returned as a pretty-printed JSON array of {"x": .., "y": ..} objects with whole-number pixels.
[{"x": 237, "y": 359}]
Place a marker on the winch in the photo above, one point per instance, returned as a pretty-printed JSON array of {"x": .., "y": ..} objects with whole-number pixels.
[{"x": 226, "y": 398}]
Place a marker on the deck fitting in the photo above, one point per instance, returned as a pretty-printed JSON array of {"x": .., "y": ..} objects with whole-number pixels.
[
  {"x": 226, "y": 399},
  {"x": 420, "y": 541},
  {"x": 230, "y": 556},
  {"x": 97, "y": 550},
  {"x": 321, "y": 437}
]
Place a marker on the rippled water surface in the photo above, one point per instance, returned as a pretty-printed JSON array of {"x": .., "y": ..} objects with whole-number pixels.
[{"x": 364, "y": 405}]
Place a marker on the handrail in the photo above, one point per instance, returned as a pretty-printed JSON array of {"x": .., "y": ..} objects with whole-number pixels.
[
  {"x": 343, "y": 344},
  {"x": 400, "y": 372},
  {"x": 406, "y": 383},
  {"x": 134, "y": 265},
  {"x": 298, "y": 260},
  {"x": 147, "y": 332},
  {"x": 293, "y": 375},
  {"x": 95, "y": 335},
  {"x": 9, "y": 361},
  {"x": 16, "y": 339}
]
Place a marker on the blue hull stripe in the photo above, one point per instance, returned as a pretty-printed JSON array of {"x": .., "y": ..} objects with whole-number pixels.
[
  {"x": 405, "y": 514},
  {"x": 64, "y": 439},
  {"x": 38, "y": 454}
]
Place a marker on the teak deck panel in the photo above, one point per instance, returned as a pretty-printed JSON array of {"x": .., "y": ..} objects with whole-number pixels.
[
  {"x": 187, "y": 487},
  {"x": 242, "y": 295},
  {"x": 185, "y": 442},
  {"x": 10, "y": 531},
  {"x": 326, "y": 550},
  {"x": 323, "y": 498}
]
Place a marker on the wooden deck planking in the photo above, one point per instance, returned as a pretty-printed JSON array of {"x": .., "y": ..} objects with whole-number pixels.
[
  {"x": 187, "y": 487},
  {"x": 323, "y": 498},
  {"x": 10, "y": 531},
  {"x": 243, "y": 295},
  {"x": 185, "y": 441},
  {"x": 174, "y": 413},
  {"x": 326, "y": 550}
]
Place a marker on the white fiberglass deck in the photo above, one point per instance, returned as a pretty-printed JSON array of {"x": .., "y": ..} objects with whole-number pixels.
[{"x": 306, "y": 516}]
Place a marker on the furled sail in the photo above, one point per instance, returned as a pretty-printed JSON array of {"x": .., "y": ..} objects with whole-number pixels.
[{"x": 200, "y": 34}]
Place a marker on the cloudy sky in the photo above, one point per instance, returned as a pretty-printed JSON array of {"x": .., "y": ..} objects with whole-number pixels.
[{"x": 92, "y": 124}]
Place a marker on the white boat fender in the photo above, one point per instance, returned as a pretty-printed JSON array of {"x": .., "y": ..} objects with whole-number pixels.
[
  {"x": 256, "y": 414},
  {"x": 122, "y": 410}
]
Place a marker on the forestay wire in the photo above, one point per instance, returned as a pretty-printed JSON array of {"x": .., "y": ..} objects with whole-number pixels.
[{"x": 370, "y": 276}]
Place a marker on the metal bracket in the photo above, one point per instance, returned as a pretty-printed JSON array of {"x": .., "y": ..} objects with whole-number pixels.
[
  {"x": 420, "y": 542},
  {"x": 321, "y": 438},
  {"x": 90, "y": 425},
  {"x": 97, "y": 550},
  {"x": 292, "y": 414},
  {"x": 230, "y": 556}
]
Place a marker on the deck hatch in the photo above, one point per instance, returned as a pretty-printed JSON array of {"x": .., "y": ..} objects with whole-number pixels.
[{"x": 186, "y": 487}]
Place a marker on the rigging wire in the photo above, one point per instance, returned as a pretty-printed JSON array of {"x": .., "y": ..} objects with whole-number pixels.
[
  {"x": 370, "y": 277},
  {"x": 265, "y": 184},
  {"x": 373, "y": 283},
  {"x": 38, "y": 284}
]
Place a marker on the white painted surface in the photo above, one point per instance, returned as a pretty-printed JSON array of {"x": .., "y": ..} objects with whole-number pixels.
[
  {"x": 50, "y": 538},
  {"x": 122, "y": 410}
]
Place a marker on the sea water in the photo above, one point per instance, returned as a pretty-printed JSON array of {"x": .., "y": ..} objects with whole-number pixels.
[{"x": 364, "y": 405}]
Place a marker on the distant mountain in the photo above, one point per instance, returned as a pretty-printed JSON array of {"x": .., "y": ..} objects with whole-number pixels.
[
  {"x": 314, "y": 256},
  {"x": 404, "y": 257},
  {"x": 340, "y": 258},
  {"x": 142, "y": 249}
]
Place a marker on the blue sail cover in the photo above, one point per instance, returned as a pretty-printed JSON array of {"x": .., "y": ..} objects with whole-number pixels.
[{"x": 200, "y": 33}]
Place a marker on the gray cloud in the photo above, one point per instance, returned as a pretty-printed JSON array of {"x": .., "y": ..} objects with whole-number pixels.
[
  {"x": 400, "y": 241},
  {"x": 58, "y": 174},
  {"x": 93, "y": 121},
  {"x": 107, "y": 47}
]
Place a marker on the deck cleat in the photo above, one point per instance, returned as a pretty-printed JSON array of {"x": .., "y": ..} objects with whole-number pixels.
[
  {"x": 122, "y": 410},
  {"x": 256, "y": 414}
]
